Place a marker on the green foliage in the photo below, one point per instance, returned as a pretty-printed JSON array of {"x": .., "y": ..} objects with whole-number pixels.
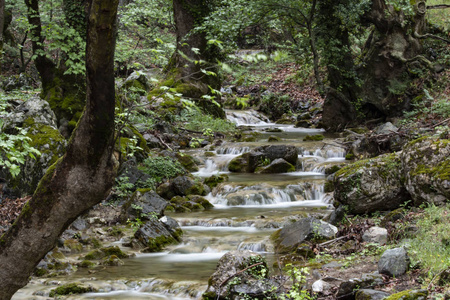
[
  {"x": 298, "y": 277},
  {"x": 431, "y": 243},
  {"x": 275, "y": 105},
  {"x": 162, "y": 167},
  {"x": 145, "y": 34},
  {"x": 14, "y": 148},
  {"x": 196, "y": 120}
]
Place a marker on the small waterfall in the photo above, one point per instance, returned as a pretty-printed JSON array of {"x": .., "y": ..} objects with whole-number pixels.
[
  {"x": 232, "y": 150},
  {"x": 209, "y": 169},
  {"x": 247, "y": 117},
  {"x": 255, "y": 247},
  {"x": 261, "y": 196}
]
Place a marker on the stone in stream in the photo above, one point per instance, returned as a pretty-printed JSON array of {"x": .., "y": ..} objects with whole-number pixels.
[
  {"x": 144, "y": 204},
  {"x": 279, "y": 165},
  {"x": 348, "y": 289},
  {"x": 155, "y": 234},
  {"x": 289, "y": 238},
  {"x": 259, "y": 157},
  {"x": 394, "y": 262},
  {"x": 241, "y": 274},
  {"x": 409, "y": 295}
]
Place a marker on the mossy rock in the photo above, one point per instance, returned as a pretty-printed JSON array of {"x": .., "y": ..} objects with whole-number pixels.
[
  {"x": 71, "y": 289},
  {"x": 112, "y": 260},
  {"x": 273, "y": 138},
  {"x": 104, "y": 252},
  {"x": 409, "y": 295},
  {"x": 87, "y": 264},
  {"x": 316, "y": 137},
  {"x": 214, "y": 180},
  {"x": 49, "y": 141},
  {"x": 187, "y": 161},
  {"x": 205, "y": 204},
  {"x": 73, "y": 245}
]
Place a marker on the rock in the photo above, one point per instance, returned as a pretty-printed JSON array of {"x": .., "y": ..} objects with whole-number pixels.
[
  {"x": 273, "y": 138},
  {"x": 409, "y": 295},
  {"x": 367, "y": 294},
  {"x": 154, "y": 236},
  {"x": 185, "y": 185},
  {"x": 145, "y": 205},
  {"x": 279, "y": 165},
  {"x": 230, "y": 282},
  {"x": 287, "y": 239},
  {"x": 348, "y": 289},
  {"x": 188, "y": 204},
  {"x": 303, "y": 124},
  {"x": 286, "y": 152},
  {"x": 261, "y": 156},
  {"x": 187, "y": 161},
  {"x": 386, "y": 128},
  {"x": 376, "y": 235},
  {"x": 320, "y": 286},
  {"x": 130, "y": 173},
  {"x": 35, "y": 108},
  {"x": 70, "y": 289},
  {"x": 138, "y": 80},
  {"x": 426, "y": 164},
  {"x": 337, "y": 216},
  {"x": 17, "y": 82},
  {"x": 152, "y": 141},
  {"x": 47, "y": 140},
  {"x": 394, "y": 262},
  {"x": 371, "y": 185},
  {"x": 214, "y": 180}
]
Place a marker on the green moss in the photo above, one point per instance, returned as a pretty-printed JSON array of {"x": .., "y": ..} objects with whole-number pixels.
[
  {"x": 408, "y": 295},
  {"x": 69, "y": 289},
  {"x": 441, "y": 171},
  {"x": 114, "y": 251},
  {"x": 39, "y": 272},
  {"x": 214, "y": 180},
  {"x": 349, "y": 156},
  {"x": 112, "y": 260},
  {"x": 157, "y": 244},
  {"x": 316, "y": 137},
  {"x": 87, "y": 264},
  {"x": 94, "y": 255}
]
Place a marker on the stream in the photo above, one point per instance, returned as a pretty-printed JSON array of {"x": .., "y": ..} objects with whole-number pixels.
[{"x": 247, "y": 210}]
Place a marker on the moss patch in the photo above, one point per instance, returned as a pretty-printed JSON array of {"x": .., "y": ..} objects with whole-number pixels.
[{"x": 70, "y": 289}]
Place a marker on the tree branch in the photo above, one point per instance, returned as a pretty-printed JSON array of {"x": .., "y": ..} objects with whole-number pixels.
[
  {"x": 438, "y": 6},
  {"x": 432, "y": 36}
]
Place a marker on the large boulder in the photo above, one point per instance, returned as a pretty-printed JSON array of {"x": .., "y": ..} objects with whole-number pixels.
[
  {"x": 182, "y": 186},
  {"x": 145, "y": 205},
  {"x": 36, "y": 117},
  {"x": 289, "y": 238},
  {"x": 279, "y": 165},
  {"x": 394, "y": 262},
  {"x": 426, "y": 164},
  {"x": 259, "y": 159},
  {"x": 371, "y": 185},
  {"x": 155, "y": 234},
  {"x": 229, "y": 281}
]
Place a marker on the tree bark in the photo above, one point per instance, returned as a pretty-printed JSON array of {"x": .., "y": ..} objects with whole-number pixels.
[
  {"x": 2, "y": 27},
  {"x": 193, "y": 52},
  {"x": 83, "y": 176}
]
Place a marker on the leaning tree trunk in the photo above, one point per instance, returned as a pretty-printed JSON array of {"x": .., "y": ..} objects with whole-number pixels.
[
  {"x": 391, "y": 52},
  {"x": 83, "y": 176}
]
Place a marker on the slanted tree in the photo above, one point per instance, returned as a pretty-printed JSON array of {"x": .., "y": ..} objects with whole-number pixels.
[
  {"x": 83, "y": 176},
  {"x": 193, "y": 66}
]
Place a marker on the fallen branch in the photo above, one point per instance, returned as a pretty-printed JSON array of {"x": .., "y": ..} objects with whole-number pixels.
[
  {"x": 438, "y": 6},
  {"x": 161, "y": 140},
  {"x": 333, "y": 240}
]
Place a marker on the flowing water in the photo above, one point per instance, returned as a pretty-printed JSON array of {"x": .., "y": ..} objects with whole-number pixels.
[{"x": 248, "y": 208}]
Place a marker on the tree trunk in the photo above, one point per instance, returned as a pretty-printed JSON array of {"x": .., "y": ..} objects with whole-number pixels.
[
  {"x": 65, "y": 93},
  {"x": 193, "y": 54},
  {"x": 390, "y": 53},
  {"x": 339, "y": 106},
  {"x": 83, "y": 176},
  {"x": 2, "y": 27}
]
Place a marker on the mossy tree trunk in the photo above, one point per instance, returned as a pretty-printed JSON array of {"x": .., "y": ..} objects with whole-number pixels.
[
  {"x": 392, "y": 51},
  {"x": 64, "y": 92},
  {"x": 193, "y": 56},
  {"x": 83, "y": 176},
  {"x": 339, "y": 107},
  {"x": 380, "y": 86},
  {"x": 2, "y": 27}
]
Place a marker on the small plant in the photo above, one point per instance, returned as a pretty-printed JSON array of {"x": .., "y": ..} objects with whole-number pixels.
[
  {"x": 160, "y": 168},
  {"x": 135, "y": 224},
  {"x": 298, "y": 277}
]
